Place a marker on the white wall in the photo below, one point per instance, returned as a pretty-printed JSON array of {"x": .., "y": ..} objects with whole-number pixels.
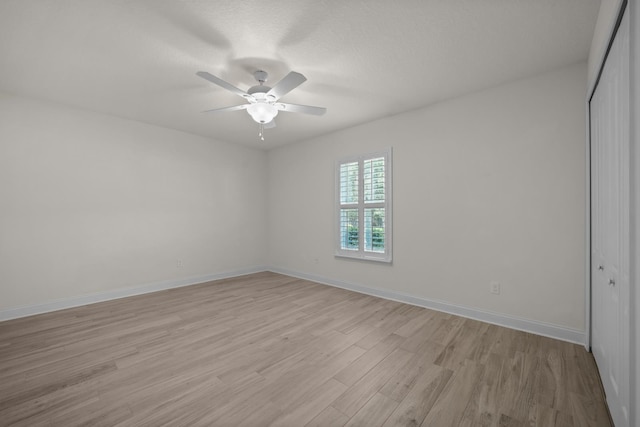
[
  {"x": 489, "y": 186},
  {"x": 90, "y": 203}
]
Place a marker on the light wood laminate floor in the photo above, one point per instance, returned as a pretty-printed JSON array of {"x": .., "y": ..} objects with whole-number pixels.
[{"x": 267, "y": 349}]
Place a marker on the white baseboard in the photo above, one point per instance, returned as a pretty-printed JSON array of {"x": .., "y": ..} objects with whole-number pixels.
[
  {"x": 521, "y": 324},
  {"x": 61, "y": 304},
  {"x": 527, "y": 325}
]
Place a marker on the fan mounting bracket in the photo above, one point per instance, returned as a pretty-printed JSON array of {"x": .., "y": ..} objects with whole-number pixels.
[{"x": 261, "y": 76}]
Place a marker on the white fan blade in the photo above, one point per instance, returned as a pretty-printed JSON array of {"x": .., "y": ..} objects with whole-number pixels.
[
  {"x": 269, "y": 125},
  {"x": 222, "y": 83},
  {"x": 286, "y": 85},
  {"x": 234, "y": 108},
  {"x": 306, "y": 109}
]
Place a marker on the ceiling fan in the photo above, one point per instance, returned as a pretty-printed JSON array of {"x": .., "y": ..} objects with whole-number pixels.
[{"x": 263, "y": 103}]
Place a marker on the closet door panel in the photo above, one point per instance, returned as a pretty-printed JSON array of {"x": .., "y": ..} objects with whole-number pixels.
[{"x": 609, "y": 120}]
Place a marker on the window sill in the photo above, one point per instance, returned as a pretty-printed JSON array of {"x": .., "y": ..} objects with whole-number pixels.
[{"x": 359, "y": 256}]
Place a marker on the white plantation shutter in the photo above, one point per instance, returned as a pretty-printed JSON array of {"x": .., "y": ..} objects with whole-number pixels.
[{"x": 363, "y": 206}]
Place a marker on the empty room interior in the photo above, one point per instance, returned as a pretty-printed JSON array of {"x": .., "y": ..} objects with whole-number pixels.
[{"x": 319, "y": 213}]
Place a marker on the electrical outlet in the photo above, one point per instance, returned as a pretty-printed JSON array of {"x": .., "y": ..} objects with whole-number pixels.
[{"x": 495, "y": 288}]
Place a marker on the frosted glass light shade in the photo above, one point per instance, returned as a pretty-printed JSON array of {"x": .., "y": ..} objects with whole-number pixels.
[{"x": 262, "y": 112}]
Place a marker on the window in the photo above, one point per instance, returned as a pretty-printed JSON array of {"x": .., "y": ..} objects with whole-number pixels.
[{"x": 363, "y": 207}]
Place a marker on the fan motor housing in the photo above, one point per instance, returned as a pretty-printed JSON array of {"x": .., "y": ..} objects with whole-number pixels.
[{"x": 258, "y": 89}]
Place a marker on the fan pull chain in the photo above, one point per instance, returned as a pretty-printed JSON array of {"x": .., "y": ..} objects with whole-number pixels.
[{"x": 261, "y": 132}]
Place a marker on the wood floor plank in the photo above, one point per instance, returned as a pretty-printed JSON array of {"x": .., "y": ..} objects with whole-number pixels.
[
  {"x": 486, "y": 401},
  {"x": 268, "y": 349},
  {"x": 545, "y": 416},
  {"x": 417, "y": 403},
  {"x": 416, "y": 321},
  {"x": 358, "y": 394},
  {"x": 588, "y": 412},
  {"x": 356, "y": 370},
  {"x": 307, "y": 406},
  {"x": 306, "y": 376},
  {"x": 407, "y": 376},
  {"x": 318, "y": 353},
  {"x": 519, "y": 385},
  {"x": 330, "y": 416},
  {"x": 374, "y": 413},
  {"x": 461, "y": 345},
  {"x": 452, "y": 402}
]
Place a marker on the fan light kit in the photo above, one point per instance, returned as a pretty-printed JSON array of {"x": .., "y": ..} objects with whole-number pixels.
[{"x": 263, "y": 105}]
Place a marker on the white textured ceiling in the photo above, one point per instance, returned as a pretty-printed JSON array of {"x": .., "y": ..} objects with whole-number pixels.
[{"x": 363, "y": 59}]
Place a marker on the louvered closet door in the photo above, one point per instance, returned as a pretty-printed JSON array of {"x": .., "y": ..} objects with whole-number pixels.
[{"x": 609, "y": 120}]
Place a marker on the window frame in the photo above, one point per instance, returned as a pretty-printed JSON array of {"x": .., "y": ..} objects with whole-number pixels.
[{"x": 361, "y": 253}]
